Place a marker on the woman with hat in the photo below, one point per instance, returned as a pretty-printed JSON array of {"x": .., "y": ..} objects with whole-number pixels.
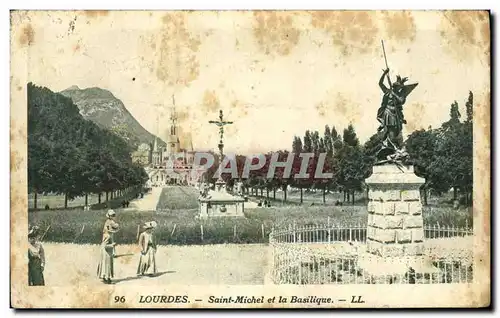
[
  {"x": 110, "y": 222},
  {"x": 147, "y": 243},
  {"x": 36, "y": 258},
  {"x": 105, "y": 270}
]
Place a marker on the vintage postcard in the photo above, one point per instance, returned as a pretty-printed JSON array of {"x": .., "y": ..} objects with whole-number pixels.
[{"x": 250, "y": 159}]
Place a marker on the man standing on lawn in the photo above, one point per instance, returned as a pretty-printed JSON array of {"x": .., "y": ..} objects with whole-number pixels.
[{"x": 109, "y": 225}]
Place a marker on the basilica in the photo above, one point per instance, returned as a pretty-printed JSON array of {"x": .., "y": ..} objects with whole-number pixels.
[{"x": 170, "y": 164}]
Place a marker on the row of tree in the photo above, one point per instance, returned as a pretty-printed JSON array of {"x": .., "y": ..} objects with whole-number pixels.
[
  {"x": 72, "y": 156},
  {"x": 442, "y": 156}
]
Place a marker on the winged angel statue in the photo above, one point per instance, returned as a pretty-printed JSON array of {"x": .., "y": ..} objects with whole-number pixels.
[{"x": 390, "y": 114}]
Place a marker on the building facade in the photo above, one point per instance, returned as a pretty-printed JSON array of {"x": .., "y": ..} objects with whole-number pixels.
[{"x": 171, "y": 164}]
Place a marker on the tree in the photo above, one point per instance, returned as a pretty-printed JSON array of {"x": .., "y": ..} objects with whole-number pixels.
[
  {"x": 350, "y": 138},
  {"x": 469, "y": 107},
  {"x": 315, "y": 142},
  {"x": 70, "y": 155},
  {"x": 350, "y": 164},
  {"x": 308, "y": 142},
  {"x": 351, "y": 171},
  {"x": 328, "y": 143},
  {"x": 300, "y": 183},
  {"x": 454, "y": 120},
  {"x": 444, "y": 156},
  {"x": 421, "y": 146},
  {"x": 297, "y": 145}
]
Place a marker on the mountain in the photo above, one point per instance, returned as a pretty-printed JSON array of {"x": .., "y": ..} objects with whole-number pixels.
[{"x": 107, "y": 111}]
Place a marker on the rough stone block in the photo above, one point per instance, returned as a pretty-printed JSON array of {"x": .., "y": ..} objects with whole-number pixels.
[
  {"x": 384, "y": 235},
  {"x": 371, "y": 221},
  {"x": 413, "y": 221},
  {"x": 376, "y": 195},
  {"x": 415, "y": 208},
  {"x": 410, "y": 195},
  {"x": 370, "y": 232},
  {"x": 417, "y": 235},
  {"x": 393, "y": 195},
  {"x": 388, "y": 208},
  {"x": 386, "y": 221},
  {"x": 393, "y": 250},
  {"x": 384, "y": 208},
  {"x": 413, "y": 249},
  {"x": 371, "y": 206},
  {"x": 401, "y": 207},
  {"x": 378, "y": 207},
  {"x": 384, "y": 195},
  {"x": 374, "y": 247},
  {"x": 404, "y": 236}
]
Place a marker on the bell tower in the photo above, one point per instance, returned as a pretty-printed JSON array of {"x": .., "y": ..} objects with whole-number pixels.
[{"x": 173, "y": 142}]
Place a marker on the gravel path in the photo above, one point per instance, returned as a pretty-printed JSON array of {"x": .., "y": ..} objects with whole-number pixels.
[
  {"x": 148, "y": 202},
  {"x": 199, "y": 265}
]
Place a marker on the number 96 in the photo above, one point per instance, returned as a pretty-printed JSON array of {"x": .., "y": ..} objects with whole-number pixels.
[{"x": 119, "y": 299}]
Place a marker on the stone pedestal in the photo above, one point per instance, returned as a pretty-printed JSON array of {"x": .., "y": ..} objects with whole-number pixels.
[
  {"x": 395, "y": 232},
  {"x": 221, "y": 208},
  {"x": 221, "y": 203}
]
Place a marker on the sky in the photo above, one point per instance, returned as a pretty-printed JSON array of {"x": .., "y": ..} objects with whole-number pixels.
[{"x": 274, "y": 74}]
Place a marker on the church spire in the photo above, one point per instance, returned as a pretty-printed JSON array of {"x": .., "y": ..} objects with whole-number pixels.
[
  {"x": 173, "y": 119},
  {"x": 155, "y": 144}
]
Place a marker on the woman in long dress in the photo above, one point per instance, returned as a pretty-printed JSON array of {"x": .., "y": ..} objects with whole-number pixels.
[
  {"x": 147, "y": 243},
  {"x": 110, "y": 222},
  {"x": 36, "y": 259},
  {"x": 105, "y": 268}
]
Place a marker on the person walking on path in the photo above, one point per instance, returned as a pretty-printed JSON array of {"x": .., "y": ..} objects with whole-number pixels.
[
  {"x": 147, "y": 243},
  {"x": 36, "y": 258},
  {"x": 105, "y": 268},
  {"x": 110, "y": 222}
]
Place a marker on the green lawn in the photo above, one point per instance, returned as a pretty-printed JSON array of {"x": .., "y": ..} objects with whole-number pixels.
[
  {"x": 309, "y": 214},
  {"x": 57, "y": 201},
  {"x": 178, "y": 198},
  {"x": 86, "y": 227},
  {"x": 178, "y": 208},
  {"x": 309, "y": 198}
]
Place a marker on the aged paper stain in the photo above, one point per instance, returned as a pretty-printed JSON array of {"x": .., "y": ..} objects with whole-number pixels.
[
  {"x": 175, "y": 50},
  {"x": 321, "y": 108},
  {"x": 400, "y": 25},
  {"x": 275, "y": 32},
  {"x": 239, "y": 107},
  {"x": 17, "y": 132},
  {"x": 338, "y": 104},
  {"x": 210, "y": 102},
  {"x": 93, "y": 14},
  {"x": 177, "y": 62},
  {"x": 27, "y": 36},
  {"x": 15, "y": 161},
  {"x": 412, "y": 113},
  {"x": 182, "y": 116},
  {"x": 352, "y": 31},
  {"x": 466, "y": 34}
]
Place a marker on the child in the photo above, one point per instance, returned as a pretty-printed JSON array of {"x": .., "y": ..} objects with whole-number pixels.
[{"x": 147, "y": 243}]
